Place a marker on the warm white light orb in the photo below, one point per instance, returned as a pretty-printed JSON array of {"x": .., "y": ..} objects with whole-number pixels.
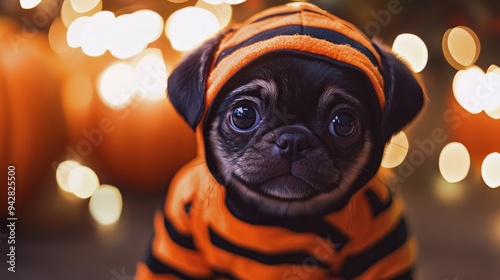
[
  {"x": 116, "y": 84},
  {"x": 82, "y": 6},
  {"x": 106, "y": 205},
  {"x": 150, "y": 76},
  {"x": 461, "y": 47},
  {"x": 96, "y": 33},
  {"x": 492, "y": 106},
  {"x": 396, "y": 151},
  {"x": 62, "y": 173},
  {"x": 231, "y": 2},
  {"x": 454, "y": 162},
  {"x": 476, "y": 91},
  {"x": 412, "y": 49},
  {"x": 82, "y": 181},
  {"x": 187, "y": 28},
  {"x": 150, "y": 24},
  {"x": 490, "y": 170},
  {"x": 131, "y": 33},
  {"x": 448, "y": 192},
  {"x": 68, "y": 13},
  {"x": 74, "y": 34},
  {"x": 465, "y": 85},
  {"x": 29, "y": 4},
  {"x": 494, "y": 114},
  {"x": 223, "y": 12},
  {"x": 57, "y": 37}
]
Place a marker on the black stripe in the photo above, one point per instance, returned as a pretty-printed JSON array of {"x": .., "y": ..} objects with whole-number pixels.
[
  {"x": 316, "y": 32},
  {"x": 225, "y": 275},
  {"x": 354, "y": 266},
  {"x": 185, "y": 241},
  {"x": 158, "y": 267},
  {"x": 406, "y": 275},
  {"x": 318, "y": 226},
  {"x": 298, "y": 258},
  {"x": 376, "y": 204}
]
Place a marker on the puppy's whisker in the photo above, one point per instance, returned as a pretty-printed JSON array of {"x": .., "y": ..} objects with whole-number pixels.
[{"x": 399, "y": 145}]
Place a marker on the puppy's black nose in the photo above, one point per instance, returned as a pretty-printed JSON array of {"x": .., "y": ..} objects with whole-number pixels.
[{"x": 292, "y": 145}]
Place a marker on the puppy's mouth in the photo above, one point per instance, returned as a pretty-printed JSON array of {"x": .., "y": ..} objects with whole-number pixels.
[{"x": 283, "y": 187}]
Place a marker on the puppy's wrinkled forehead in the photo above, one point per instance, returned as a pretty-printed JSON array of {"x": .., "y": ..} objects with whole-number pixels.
[{"x": 300, "y": 85}]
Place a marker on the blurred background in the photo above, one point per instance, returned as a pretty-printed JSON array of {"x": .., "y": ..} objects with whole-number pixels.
[{"x": 87, "y": 131}]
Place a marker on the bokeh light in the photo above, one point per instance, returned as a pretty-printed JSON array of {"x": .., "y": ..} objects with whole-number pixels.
[
  {"x": 412, "y": 49},
  {"x": 106, "y": 205},
  {"x": 62, "y": 173},
  {"x": 465, "y": 84},
  {"x": 68, "y": 14},
  {"x": 82, "y": 181},
  {"x": 150, "y": 75},
  {"x": 396, "y": 151},
  {"x": 57, "y": 37},
  {"x": 124, "y": 36},
  {"x": 83, "y": 6},
  {"x": 492, "y": 107},
  {"x": 454, "y": 162},
  {"x": 231, "y": 2},
  {"x": 447, "y": 192},
  {"x": 132, "y": 33},
  {"x": 75, "y": 32},
  {"x": 115, "y": 85},
  {"x": 495, "y": 228},
  {"x": 29, "y": 4},
  {"x": 461, "y": 47},
  {"x": 96, "y": 32},
  {"x": 189, "y": 27},
  {"x": 223, "y": 12},
  {"x": 490, "y": 170},
  {"x": 476, "y": 91}
]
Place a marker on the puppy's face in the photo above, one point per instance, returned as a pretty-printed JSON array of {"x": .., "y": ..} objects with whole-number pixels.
[{"x": 292, "y": 134}]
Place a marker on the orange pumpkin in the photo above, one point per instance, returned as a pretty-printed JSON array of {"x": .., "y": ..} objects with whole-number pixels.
[
  {"x": 32, "y": 126},
  {"x": 143, "y": 145},
  {"x": 139, "y": 147}
]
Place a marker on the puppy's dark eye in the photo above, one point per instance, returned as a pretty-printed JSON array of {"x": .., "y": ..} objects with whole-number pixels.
[
  {"x": 244, "y": 117},
  {"x": 343, "y": 125}
]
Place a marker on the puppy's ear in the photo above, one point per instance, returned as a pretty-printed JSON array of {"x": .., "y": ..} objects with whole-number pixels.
[
  {"x": 404, "y": 95},
  {"x": 187, "y": 83}
]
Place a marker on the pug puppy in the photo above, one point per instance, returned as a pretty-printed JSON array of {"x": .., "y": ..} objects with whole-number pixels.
[{"x": 292, "y": 110}]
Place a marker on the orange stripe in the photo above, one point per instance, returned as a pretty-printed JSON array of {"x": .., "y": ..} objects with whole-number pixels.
[
  {"x": 241, "y": 57},
  {"x": 165, "y": 250},
  {"x": 378, "y": 228},
  {"x": 181, "y": 191}
]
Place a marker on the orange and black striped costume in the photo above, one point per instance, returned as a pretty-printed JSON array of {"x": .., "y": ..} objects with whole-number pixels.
[{"x": 200, "y": 234}]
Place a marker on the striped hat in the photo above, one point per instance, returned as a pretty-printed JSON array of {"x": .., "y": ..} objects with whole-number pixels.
[{"x": 296, "y": 27}]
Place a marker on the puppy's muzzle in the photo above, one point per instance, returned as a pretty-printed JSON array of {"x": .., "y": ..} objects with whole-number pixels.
[{"x": 292, "y": 143}]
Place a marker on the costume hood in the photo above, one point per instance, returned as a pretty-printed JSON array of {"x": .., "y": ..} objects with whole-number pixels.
[{"x": 296, "y": 27}]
